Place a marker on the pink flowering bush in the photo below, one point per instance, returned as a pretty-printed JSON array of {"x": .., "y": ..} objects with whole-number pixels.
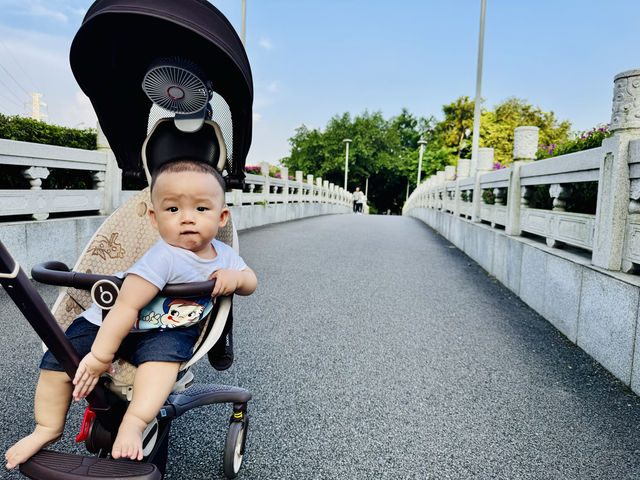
[
  {"x": 253, "y": 169},
  {"x": 583, "y": 141}
]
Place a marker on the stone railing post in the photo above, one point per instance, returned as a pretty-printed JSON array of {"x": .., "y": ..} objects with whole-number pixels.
[
  {"x": 449, "y": 176},
  {"x": 320, "y": 192},
  {"x": 613, "y": 183},
  {"x": 284, "y": 175},
  {"x": 300, "y": 193},
  {"x": 310, "y": 183},
  {"x": 112, "y": 176},
  {"x": 439, "y": 188},
  {"x": 525, "y": 144},
  {"x": 484, "y": 165},
  {"x": 464, "y": 167},
  {"x": 266, "y": 188}
]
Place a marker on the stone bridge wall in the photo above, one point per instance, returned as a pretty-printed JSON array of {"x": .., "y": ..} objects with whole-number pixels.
[{"x": 580, "y": 271}]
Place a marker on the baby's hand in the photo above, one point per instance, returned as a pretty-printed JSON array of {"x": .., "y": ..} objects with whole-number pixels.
[
  {"x": 87, "y": 375},
  {"x": 227, "y": 282}
]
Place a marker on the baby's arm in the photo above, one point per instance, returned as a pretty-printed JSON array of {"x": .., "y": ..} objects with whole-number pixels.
[
  {"x": 242, "y": 282},
  {"x": 136, "y": 292}
]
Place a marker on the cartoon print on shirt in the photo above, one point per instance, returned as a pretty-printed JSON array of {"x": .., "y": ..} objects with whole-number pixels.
[{"x": 176, "y": 313}]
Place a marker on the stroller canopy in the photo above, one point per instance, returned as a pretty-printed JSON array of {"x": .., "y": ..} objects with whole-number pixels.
[{"x": 117, "y": 42}]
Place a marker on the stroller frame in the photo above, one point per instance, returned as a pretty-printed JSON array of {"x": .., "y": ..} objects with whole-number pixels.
[
  {"x": 109, "y": 57},
  {"x": 106, "y": 405}
]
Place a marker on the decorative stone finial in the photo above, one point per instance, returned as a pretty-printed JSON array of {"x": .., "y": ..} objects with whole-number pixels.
[
  {"x": 449, "y": 173},
  {"x": 625, "y": 112},
  {"x": 485, "y": 159},
  {"x": 464, "y": 167},
  {"x": 525, "y": 143}
]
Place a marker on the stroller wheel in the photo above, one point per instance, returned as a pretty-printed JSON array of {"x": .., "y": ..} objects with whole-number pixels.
[{"x": 234, "y": 447}]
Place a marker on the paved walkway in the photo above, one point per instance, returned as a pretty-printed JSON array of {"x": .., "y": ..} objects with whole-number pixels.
[{"x": 376, "y": 350}]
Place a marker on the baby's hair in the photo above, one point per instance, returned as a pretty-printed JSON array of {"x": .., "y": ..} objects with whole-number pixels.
[{"x": 187, "y": 165}]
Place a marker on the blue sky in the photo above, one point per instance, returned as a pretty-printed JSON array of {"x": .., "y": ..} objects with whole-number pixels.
[{"x": 314, "y": 59}]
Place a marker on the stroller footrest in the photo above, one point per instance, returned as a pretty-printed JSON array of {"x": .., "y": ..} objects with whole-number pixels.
[
  {"x": 50, "y": 465},
  {"x": 204, "y": 394}
]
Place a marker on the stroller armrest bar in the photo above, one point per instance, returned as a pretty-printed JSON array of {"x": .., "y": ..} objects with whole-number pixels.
[
  {"x": 57, "y": 273},
  {"x": 186, "y": 290}
]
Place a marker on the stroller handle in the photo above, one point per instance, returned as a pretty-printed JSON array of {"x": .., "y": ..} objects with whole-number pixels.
[{"x": 59, "y": 274}]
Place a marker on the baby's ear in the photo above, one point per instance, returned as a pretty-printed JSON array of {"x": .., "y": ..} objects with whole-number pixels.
[
  {"x": 224, "y": 217},
  {"x": 152, "y": 218}
]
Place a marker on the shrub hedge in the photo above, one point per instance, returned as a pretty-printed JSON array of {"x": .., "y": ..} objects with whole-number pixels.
[{"x": 30, "y": 130}]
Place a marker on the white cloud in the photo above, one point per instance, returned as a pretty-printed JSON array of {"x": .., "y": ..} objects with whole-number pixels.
[
  {"x": 81, "y": 12},
  {"x": 256, "y": 117},
  {"x": 272, "y": 87},
  {"x": 42, "y": 11},
  {"x": 265, "y": 43}
]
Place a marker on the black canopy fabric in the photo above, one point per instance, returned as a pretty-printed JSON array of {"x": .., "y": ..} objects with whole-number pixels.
[{"x": 117, "y": 42}]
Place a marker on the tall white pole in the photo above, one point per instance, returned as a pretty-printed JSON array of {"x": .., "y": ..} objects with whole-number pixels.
[
  {"x": 347, "y": 141},
  {"x": 366, "y": 188},
  {"x": 477, "y": 107},
  {"x": 422, "y": 143},
  {"x": 243, "y": 31}
]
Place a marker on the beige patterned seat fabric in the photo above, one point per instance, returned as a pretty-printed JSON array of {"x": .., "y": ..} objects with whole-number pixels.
[{"x": 121, "y": 240}]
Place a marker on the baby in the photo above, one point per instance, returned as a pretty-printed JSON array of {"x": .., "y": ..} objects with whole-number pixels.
[{"x": 188, "y": 208}]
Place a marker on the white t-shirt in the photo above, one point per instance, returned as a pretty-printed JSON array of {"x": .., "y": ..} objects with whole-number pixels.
[{"x": 164, "y": 264}]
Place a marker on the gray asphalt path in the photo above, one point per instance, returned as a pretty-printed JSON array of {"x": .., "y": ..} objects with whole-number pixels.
[{"x": 376, "y": 350}]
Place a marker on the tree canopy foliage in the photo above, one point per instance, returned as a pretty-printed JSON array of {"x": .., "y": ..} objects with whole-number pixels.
[{"x": 386, "y": 151}]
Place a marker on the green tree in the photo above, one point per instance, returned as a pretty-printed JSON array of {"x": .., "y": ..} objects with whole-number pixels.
[
  {"x": 382, "y": 151},
  {"x": 457, "y": 126},
  {"x": 497, "y": 126}
]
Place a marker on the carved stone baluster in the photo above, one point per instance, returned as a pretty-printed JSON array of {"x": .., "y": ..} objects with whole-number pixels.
[
  {"x": 98, "y": 180},
  {"x": 525, "y": 196},
  {"x": 634, "y": 196},
  {"x": 252, "y": 187},
  {"x": 499, "y": 194},
  {"x": 559, "y": 192},
  {"x": 35, "y": 175},
  {"x": 634, "y": 209}
]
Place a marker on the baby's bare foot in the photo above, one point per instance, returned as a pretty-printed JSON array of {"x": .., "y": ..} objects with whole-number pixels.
[
  {"x": 24, "y": 449},
  {"x": 128, "y": 443}
]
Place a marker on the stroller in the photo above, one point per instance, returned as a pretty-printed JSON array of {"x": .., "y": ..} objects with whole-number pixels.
[{"x": 167, "y": 80}]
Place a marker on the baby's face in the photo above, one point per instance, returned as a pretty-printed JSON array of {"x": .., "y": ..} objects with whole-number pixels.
[{"x": 188, "y": 209}]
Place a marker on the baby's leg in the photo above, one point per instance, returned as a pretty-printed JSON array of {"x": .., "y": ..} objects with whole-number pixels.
[
  {"x": 151, "y": 387},
  {"x": 52, "y": 400}
]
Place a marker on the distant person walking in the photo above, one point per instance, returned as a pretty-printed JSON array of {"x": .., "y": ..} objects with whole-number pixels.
[
  {"x": 357, "y": 196},
  {"x": 361, "y": 203}
]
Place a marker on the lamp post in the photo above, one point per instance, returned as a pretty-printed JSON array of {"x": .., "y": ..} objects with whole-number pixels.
[
  {"x": 243, "y": 30},
  {"x": 347, "y": 141},
  {"x": 475, "y": 143},
  {"x": 422, "y": 142}
]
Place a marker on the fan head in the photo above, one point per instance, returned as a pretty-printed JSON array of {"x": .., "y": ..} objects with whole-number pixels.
[{"x": 177, "y": 85}]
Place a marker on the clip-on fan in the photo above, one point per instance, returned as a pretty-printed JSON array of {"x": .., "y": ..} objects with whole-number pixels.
[{"x": 180, "y": 86}]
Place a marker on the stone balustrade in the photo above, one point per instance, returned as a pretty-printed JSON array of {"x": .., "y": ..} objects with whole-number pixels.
[
  {"x": 106, "y": 193},
  {"x": 611, "y": 235},
  {"x": 30, "y": 231},
  {"x": 578, "y": 270}
]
